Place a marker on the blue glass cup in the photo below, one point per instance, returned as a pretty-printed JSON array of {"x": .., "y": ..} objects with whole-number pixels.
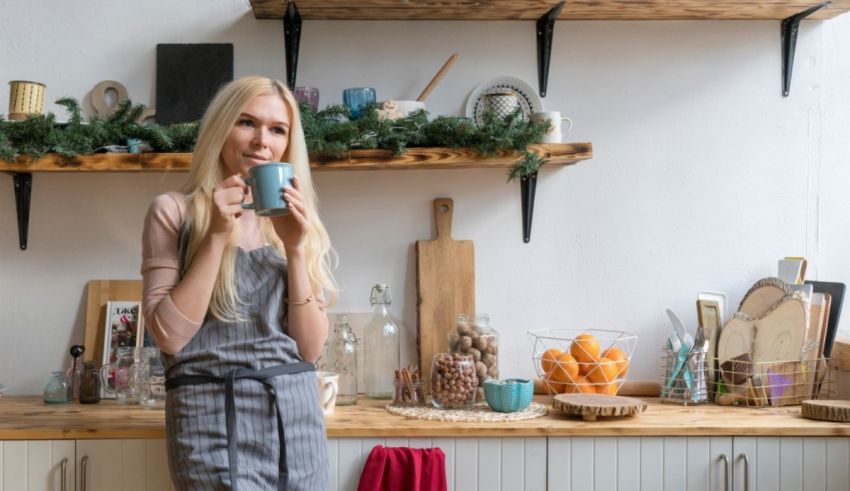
[
  {"x": 307, "y": 95},
  {"x": 357, "y": 99}
]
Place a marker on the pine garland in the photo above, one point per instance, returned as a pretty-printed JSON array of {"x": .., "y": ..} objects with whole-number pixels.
[{"x": 329, "y": 134}]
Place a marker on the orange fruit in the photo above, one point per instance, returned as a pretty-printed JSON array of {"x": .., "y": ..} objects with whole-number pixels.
[
  {"x": 585, "y": 367},
  {"x": 585, "y": 348},
  {"x": 608, "y": 389},
  {"x": 556, "y": 381},
  {"x": 581, "y": 385},
  {"x": 565, "y": 365},
  {"x": 604, "y": 372},
  {"x": 621, "y": 360},
  {"x": 547, "y": 361}
]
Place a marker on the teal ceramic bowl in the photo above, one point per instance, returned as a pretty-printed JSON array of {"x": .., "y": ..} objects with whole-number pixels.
[{"x": 510, "y": 395}]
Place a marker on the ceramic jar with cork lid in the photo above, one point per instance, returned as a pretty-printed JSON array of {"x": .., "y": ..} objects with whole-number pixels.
[{"x": 474, "y": 336}]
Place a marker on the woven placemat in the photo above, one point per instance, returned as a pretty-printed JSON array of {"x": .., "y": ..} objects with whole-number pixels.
[{"x": 477, "y": 413}]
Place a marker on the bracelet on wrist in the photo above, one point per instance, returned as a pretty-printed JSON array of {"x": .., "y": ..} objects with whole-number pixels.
[{"x": 305, "y": 302}]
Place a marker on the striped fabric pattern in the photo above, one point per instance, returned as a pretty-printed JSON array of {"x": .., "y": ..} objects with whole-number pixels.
[{"x": 195, "y": 418}]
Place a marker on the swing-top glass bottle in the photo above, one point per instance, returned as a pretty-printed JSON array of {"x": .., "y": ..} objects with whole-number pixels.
[{"x": 382, "y": 346}]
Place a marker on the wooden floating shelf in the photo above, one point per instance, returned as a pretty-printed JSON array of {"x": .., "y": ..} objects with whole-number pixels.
[
  {"x": 414, "y": 158},
  {"x": 533, "y": 9}
]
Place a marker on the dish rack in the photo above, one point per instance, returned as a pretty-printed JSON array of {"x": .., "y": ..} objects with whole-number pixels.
[{"x": 740, "y": 381}]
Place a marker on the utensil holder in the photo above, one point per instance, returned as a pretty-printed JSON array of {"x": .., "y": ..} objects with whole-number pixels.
[{"x": 685, "y": 380}]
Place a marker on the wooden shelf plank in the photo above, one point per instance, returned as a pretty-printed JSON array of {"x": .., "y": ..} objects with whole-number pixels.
[
  {"x": 533, "y": 9},
  {"x": 414, "y": 158}
]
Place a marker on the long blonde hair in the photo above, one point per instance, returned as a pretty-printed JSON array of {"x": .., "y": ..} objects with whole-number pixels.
[{"x": 208, "y": 169}]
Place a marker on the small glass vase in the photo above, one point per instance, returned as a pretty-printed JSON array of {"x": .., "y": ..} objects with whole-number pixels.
[{"x": 57, "y": 390}]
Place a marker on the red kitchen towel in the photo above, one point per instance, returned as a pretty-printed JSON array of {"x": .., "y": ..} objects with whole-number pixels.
[{"x": 404, "y": 469}]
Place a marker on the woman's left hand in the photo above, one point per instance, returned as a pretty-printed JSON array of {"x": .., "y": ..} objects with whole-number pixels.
[{"x": 292, "y": 228}]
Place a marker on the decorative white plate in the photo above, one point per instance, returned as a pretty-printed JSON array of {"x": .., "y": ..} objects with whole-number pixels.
[{"x": 528, "y": 100}]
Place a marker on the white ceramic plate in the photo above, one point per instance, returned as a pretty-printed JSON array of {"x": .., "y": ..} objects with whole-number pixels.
[{"x": 528, "y": 100}]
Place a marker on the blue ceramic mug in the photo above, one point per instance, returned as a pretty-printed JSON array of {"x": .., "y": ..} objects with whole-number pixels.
[{"x": 267, "y": 182}]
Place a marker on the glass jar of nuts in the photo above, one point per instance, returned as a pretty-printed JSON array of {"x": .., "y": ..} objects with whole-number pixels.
[
  {"x": 453, "y": 381},
  {"x": 474, "y": 336}
]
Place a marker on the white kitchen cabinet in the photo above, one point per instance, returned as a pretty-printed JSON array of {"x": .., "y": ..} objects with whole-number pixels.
[
  {"x": 492, "y": 464},
  {"x": 37, "y": 465},
  {"x": 114, "y": 465},
  {"x": 122, "y": 465},
  {"x": 697, "y": 464}
]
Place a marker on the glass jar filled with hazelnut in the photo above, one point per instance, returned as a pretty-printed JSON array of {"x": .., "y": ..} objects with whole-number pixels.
[
  {"x": 453, "y": 381},
  {"x": 474, "y": 336}
]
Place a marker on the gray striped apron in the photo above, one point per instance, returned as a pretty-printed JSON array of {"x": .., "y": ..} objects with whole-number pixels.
[{"x": 242, "y": 410}]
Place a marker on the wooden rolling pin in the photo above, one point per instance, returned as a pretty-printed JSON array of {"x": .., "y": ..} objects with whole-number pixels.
[
  {"x": 448, "y": 64},
  {"x": 638, "y": 388}
]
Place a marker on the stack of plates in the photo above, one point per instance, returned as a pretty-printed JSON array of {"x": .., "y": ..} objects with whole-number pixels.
[{"x": 528, "y": 100}]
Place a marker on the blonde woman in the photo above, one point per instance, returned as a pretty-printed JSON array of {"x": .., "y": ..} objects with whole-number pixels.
[{"x": 235, "y": 302}]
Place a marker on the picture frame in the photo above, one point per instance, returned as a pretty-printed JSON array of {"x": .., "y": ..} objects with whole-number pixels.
[
  {"x": 122, "y": 329},
  {"x": 709, "y": 316}
]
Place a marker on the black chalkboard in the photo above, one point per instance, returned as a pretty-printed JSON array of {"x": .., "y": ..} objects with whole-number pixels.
[{"x": 187, "y": 77}]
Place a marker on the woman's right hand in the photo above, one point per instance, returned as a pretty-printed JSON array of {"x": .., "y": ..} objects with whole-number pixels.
[{"x": 227, "y": 198}]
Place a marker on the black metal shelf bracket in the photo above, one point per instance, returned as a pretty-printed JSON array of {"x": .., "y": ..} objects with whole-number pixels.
[
  {"x": 23, "y": 192},
  {"x": 788, "y": 38},
  {"x": 528, "y": 187},
  {"x": 545, "y": 31},
  {"x": 291, "y": 39}
]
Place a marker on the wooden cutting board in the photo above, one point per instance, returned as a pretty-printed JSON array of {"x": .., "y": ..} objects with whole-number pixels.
[{"x": 445, "y": 286}]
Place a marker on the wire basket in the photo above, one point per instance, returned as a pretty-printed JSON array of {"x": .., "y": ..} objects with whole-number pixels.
[
  {"x": 592, "y": 361},
  {"x": 775, "y": 383},
  {"x": 740, "y": 381}
]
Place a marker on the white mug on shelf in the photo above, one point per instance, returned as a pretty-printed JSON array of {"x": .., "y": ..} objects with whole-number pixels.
[
  {"x": 554, "y": 117},
  {"x": 328, "y": 384}
]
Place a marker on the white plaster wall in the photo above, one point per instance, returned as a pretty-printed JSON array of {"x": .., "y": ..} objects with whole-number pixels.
[{"x": 702, "y": 176}]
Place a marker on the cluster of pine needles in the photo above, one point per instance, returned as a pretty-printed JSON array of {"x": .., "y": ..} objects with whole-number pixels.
[{"x": 330, "y": 133}]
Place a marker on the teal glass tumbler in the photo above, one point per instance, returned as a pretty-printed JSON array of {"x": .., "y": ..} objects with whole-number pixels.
[
  {"x": 57, "y": 390},
  {"x": 357, "y": 99}
]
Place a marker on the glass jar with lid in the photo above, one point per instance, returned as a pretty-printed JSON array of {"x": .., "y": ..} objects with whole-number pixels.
[{"x": 474, "y": 336}]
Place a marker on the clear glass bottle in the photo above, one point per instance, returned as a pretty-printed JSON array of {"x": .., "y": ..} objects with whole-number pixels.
[
  {"x": 382, "y": 348},
  {"x": 474, "y": 336},
  {"x": 57, "y": 390},
  {"x": 343, "y": 356}
]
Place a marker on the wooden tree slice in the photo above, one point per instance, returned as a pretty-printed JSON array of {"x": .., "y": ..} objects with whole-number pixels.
[
  {"x": 736, "y": 338},
  {"x": 589, "y": 406},
  {"x": 780, "y": 334},
  {"x": 763, "y": 295},
  {"x": 827, "y": 410}
]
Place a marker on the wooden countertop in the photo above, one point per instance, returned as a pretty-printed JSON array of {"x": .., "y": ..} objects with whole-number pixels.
[{"x": 28, "y": 418}]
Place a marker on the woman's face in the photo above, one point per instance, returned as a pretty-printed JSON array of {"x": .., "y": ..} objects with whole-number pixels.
[{"x": 260, "y": 135}]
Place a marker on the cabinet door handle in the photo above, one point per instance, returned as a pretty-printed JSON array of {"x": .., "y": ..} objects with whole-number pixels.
[
  {"x": 83, "y": 463},
  {"x": 725, "y": 471},
  {"x": 746, "y": 470},
  {"x": 64, "y": 478}
]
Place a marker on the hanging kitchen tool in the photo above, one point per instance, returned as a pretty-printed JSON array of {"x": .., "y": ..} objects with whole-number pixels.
[{"x": 445, "y": 285}]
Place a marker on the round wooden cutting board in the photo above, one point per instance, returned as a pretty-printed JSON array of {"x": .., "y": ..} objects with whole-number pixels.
[
  {"x": 589, "y": 406},
  {"x": 826, "y": 410}
]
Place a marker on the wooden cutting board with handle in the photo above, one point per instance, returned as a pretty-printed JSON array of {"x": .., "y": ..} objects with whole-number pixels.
[{"x": 445, "y": 286}]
